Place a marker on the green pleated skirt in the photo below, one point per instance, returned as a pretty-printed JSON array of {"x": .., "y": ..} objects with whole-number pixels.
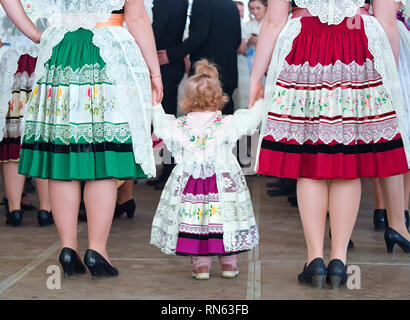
[{"x": 74, "y": 130}]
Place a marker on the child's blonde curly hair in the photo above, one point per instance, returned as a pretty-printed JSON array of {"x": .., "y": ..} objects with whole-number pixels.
[{"x": 204, "y": 91}]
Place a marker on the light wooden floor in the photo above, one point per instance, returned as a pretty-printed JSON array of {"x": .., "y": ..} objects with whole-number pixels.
[{"x": 268, "y": 272}]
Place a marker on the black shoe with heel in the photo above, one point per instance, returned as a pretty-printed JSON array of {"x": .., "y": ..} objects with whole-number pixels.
[
  {"x": 128, "y": 207},
  {"x": 380, "y": 219},
  {"x": 71, "y": 262},
  {"x": 392, "y": 237},
  {"x": 98, "y": 266},
  {"x": 314, "y": 273},
  {"x": 336, "y": 274},
  {"x": 44, "y": 218},
  {"x": 14, "y": 218}
]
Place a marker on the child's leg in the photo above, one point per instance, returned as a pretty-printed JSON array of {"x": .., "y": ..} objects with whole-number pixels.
[{"x": 202, "y": 267}]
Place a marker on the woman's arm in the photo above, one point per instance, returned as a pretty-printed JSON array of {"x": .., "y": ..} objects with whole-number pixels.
[
  {"x": 140, "y": 27},
  {"x": 16, "y": 14},
  {"x": 275, "y": 20},
  {"x": 385, "y": 12}
]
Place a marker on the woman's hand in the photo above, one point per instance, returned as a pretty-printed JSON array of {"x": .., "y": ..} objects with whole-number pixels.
[
  {"x": 253, "y": 40},
  {"x": 256, "y": 92},
  {"x": 157, "y": 89},
  {"x": 37, "y": 37},
  {"x": 242, "y": 48}
]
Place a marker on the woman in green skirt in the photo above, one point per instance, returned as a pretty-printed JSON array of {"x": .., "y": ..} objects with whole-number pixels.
[{"x": 89, "y": 114}]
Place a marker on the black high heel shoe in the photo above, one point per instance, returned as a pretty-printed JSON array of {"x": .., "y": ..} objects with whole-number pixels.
[
  {"x": 336, "y": 274},
  {"x": 14, "y": 218},
  {"x": 128, "y": 207},
  {"x": 392, "y": 237},
  {"x": 44, "y": 218},
  {"x": 314, "y": 273},
  {"x": 407, "y": 219},
  {"x": 71, "y": 262},
  {"x": 98, "y": 266}
]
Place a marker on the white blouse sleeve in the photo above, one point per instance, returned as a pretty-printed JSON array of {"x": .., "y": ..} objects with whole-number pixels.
[
  {"x": 246, "y": 121},
  {"x": 163, "y": 123}
]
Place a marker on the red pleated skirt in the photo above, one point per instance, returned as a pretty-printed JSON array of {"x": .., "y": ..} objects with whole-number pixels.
[
  {"x": 10, "y": 146},
  {"x": 330, "y": 116}
]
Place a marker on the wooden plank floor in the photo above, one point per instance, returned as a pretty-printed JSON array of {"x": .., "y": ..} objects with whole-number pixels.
[{"x": 268, "y": 272}]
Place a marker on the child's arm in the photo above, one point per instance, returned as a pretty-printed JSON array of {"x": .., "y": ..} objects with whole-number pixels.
[
  {"x": 163, "y": 123},
  {"x": 246, "y": 121},
  {"x": 16, "y": 14}
]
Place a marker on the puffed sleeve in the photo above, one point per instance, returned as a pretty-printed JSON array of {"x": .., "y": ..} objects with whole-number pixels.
[
  {"x": 163, "y": 123},
  {"x": 246, "y": 121}
]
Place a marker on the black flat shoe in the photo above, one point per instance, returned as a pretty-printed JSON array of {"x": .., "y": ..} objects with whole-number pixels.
[
  {"x": 275, "y": 184},
  {"x": 71, "y": 262},
  {"x": 98, "y": 266},
  {"x": 279, "y": 192},
  {"x": 27, "y": 206},
  {"x": 380, "y": 219},
  {"x": 336, "y": 274},
  {"x": 392, "y": 237},
  {"x": 14, "y": 218},
  {"x": 314, "y": 273},
  {"x": 128, "y": 207},
  {"x": 44, "y": 218}
]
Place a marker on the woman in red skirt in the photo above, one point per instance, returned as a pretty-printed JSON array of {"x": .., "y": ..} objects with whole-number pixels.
[{"x": 334, "y": 115}]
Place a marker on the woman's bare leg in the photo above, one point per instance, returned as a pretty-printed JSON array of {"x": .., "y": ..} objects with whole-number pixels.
[
  {"x": 99, "y": 199},
  {"x": 43, "y": 194},
  {"x": 65, "y": 199},
  {"x": 14, "y": 184},
  {"x": 343, "y": 214},
  {"x": 313, "y": 204},
  {"x": 393, "y": 190}
]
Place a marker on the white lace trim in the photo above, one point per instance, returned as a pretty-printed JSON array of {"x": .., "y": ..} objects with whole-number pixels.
[
  {"x": 206, "y": 229},
  {"x": 331, "y": 11},
  {"x": 200, "y": 198},
  {"x": 86, "y": 14},
  {"x": 23, "y": 80},
  {"x": 331, "y": 74},
  {"x": 343, "y": 133},
  {"x": 385, "y": 64},
  {"x": 13, "y": 128},
  {"x": 92, "y": 133}
]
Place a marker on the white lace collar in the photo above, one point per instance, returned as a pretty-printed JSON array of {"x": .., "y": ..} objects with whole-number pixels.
[
  {"x": 201, "y": 120},
  {"x": 331, "y": 11}
]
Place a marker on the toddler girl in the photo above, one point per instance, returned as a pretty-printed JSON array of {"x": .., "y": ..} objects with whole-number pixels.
[{"x": 205, "y": 209}]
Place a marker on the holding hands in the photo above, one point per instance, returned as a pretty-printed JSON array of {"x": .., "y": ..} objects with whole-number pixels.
[
  {"x": 256, "y": 92},
  {"x": 157, "y": 89}
]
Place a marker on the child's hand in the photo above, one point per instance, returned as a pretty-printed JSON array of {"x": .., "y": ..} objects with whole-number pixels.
[{"x": 256, "y": 92}]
